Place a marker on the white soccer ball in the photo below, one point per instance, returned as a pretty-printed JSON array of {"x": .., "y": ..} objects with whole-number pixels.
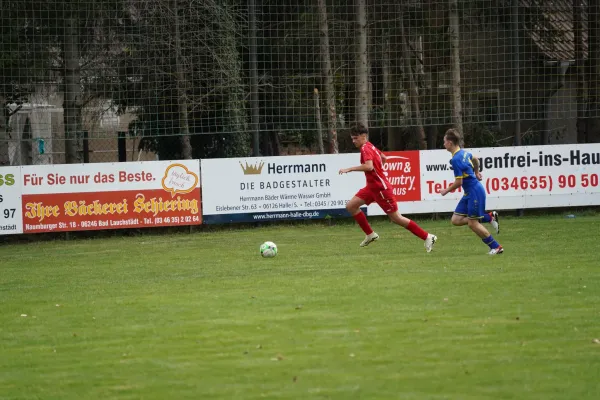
[{"x": 268, "y": 249}]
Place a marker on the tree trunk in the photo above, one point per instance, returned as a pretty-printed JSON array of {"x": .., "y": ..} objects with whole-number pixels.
[
  {"x": 397, "y": 104},
  {"x": 386, "y": 66},
  {"x": 72, "y": 92},
  {"x": 348, "y": 111},
  {"x": 432, "y": 134},
  {"x": 182, "y": 99},
  {"x": 4, "y": 156},
  {"x": 362, "y": 66},
  {"x": 318, "y": 120},
  {"x": 516, "y": 71},
  {"x": 266, "y": 147},
  {"x": 416, "y": 121},
  {"x": 275, "y": 143},
  {"x": 240, "y": 142},
  {"x": 429, "y": 94},
  {"x": 327, "y": 74},
  {"x": 593, "y": 133},
  {"x": 254, "y": 98},
  {"x": 419, "y": 62},
  {"x": 434, "y": 106},
  {"x": 454, "y": 35},
  {"x": 580, "y": 70}
]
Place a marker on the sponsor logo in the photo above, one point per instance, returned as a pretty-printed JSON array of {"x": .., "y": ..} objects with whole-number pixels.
[
  {"x": 179, "y": 179},
  {"x": 252, "y": 169}
]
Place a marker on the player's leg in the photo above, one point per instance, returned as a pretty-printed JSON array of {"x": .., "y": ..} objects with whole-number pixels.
[
  {"x": 495, "y": 220},
  {"x": 388, "y": 204},
  {"x": 478, "y": 228},
  {"x": 476, "y": 207},
  {"x": 353, "y": 206},
  {"x": 414, "y": 228},
  {"x": 459, "y": 218},
  {"x": 486, "y": 237},
  {"x": 492, "y": 218}
]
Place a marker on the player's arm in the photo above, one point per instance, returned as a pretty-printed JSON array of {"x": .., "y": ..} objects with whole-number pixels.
[
  {"x": 475, "y": 162},
  {"x": 366, "y": 167},
  {"x": 383, "y": 158},
  {"x": 458, "y": 174},
  {"x": 455, "y": 185}
]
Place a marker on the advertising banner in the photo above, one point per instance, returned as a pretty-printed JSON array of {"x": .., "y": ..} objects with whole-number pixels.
[
  {"x": 301, "y": 187},
  {"x": 513, "y": 177},
  {"x": 272, "y": 188},
  {"x": 47, "y": 198},
  {"x": 10, "y": 201},
  {"x": 110, "y": 196}
]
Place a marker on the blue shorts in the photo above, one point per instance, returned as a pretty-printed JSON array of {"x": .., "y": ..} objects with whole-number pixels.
[{"x": 472, "y": 204}]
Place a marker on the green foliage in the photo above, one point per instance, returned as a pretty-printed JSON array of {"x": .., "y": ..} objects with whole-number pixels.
[
  {"x": 480, "y": 135},
  {"x": 127, "y": 55},
  {"x": 165, "y": 141},
  {"x": 213, "y": 80},
  {"x": 24, "y": 57},
  {"x": 222, "y": 146}
]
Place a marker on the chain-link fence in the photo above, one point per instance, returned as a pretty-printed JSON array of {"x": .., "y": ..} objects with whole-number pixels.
[{"x": 123, "y": 80}]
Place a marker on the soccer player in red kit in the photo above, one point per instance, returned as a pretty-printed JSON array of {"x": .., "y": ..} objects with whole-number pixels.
[{"x": 378, "y": 190}]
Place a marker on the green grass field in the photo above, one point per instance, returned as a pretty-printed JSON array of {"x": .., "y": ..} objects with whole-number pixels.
[{"x": 203, "y": 316}]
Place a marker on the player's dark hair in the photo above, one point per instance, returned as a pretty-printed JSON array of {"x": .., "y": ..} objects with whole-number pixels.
[
  {"x": 453, "y": 136},
  {"x": 358, "y": 129}
]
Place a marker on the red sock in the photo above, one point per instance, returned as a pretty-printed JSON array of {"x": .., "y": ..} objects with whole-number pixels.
[
  {"x": 361, "y": 218},
  {"x": 417, "y": 230}
]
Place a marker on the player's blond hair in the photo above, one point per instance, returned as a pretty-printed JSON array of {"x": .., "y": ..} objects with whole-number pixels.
[{"x": 454, "y": 136}]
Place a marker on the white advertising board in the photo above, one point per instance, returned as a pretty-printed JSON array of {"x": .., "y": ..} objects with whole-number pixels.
[
  {"x": 10, "y": 201},
  {"x": 271, "y": 188},
  {"x": 303, "y": 187},
  {"x": 514, "y": 178}
]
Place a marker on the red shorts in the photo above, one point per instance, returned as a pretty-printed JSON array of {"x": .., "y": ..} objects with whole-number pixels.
[{"x": 385, "y": 198}]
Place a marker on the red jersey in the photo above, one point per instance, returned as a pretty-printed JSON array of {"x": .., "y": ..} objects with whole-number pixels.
[{"x": 376, "y": 179}]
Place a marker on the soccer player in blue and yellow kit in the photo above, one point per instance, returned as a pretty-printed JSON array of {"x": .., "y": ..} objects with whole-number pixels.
[{"x": 471, "y": 208}]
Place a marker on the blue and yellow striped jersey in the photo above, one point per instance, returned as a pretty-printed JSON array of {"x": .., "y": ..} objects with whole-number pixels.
[{"x": 462, "y": 165}]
